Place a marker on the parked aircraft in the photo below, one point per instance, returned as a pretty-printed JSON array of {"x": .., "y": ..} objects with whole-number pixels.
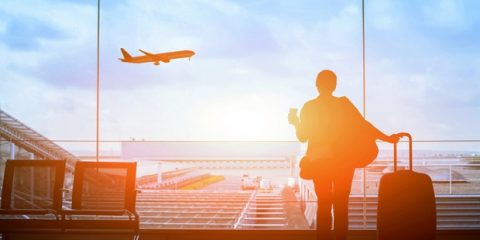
[{"x": 156, "y": 58}]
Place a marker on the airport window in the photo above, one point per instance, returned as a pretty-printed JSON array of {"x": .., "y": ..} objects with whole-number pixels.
[{"x": 208, "y": 126}]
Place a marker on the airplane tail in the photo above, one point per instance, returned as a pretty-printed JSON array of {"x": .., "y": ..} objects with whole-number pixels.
[{"x": 126, "y": 55}]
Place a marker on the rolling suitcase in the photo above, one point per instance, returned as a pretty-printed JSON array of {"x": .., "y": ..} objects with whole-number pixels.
[{"x": 406, "y": 203}]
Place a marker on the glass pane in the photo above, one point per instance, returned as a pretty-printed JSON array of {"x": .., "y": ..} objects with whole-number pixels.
[
  {"x": 217, "y": 185},
  {"x": 453, "y": 168}
]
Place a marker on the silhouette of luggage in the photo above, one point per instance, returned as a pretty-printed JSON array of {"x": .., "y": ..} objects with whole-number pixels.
[{"x": 406, "y": 203}]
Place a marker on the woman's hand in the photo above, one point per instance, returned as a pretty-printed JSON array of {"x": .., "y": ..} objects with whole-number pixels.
[
  {"x": 293, "y": 119},
  {"x": 393, "y": 138}
]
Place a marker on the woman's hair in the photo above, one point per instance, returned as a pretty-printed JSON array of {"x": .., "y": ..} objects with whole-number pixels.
[{"x": 326, "y": 81}]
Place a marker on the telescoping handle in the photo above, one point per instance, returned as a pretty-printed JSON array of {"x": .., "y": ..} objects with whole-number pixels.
[{"x": 410, "y": 151}]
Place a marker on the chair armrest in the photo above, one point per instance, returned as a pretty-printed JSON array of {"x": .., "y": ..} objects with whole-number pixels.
[
  {"x": 29, "y": 212},
  {"x": 95, "y": 212},
  {"x": 131, "y": 215}
]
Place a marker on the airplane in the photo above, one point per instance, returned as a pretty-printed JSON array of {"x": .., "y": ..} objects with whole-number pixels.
[{"x": 156, "y": 58}]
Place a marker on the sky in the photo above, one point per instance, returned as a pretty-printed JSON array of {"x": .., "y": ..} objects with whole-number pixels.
[{"x": 254, "y": 60}]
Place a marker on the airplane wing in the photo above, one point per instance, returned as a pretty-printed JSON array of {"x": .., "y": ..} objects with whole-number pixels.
[
  {"x": 146, "y": 53},
  {"x": 155, "y": 57}
]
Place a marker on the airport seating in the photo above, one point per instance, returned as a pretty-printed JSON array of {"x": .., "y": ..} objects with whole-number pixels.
[
  {"x": 31, "y": 196},
  {"x": 103, "y": 199}
]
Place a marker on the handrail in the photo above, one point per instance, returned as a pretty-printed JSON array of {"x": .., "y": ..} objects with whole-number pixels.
[{"x": 244, "y": 210}]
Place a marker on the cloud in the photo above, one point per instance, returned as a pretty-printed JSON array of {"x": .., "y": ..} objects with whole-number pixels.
[
  {"x": 66, "y": 114},
  {"x": 449, "y": 14},
  {"x": 27, "y": 34},
  {"x": 48, "y": 43}
]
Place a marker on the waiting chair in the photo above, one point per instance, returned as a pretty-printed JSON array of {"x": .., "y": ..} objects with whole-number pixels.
[
  {"x": 32, "y": 196},
  {"x": 103, "y": 199}
]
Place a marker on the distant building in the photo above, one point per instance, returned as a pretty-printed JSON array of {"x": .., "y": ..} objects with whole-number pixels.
[{"x": 225, "y": 157}]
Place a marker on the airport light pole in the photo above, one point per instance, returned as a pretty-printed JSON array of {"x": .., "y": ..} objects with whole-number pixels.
[
  {"x": 97, "y": 138},
  {"x": 364, "y": 175}
]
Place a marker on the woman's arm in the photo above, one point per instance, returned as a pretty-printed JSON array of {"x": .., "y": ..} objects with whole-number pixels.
[
  {"x": 301, "y": 130},
  {"x": 375, "y": 131},
  {"x": 382, "y": 136}
]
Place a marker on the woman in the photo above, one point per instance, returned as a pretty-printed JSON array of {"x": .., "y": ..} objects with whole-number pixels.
[{"x": 327, "y": 123}]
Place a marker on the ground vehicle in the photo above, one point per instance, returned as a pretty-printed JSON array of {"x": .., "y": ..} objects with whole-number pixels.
[
  {"x": 249, "y": 183},
  {"x": 266, "y": 184}
]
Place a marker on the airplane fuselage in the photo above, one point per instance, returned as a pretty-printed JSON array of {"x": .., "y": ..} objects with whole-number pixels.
[{"x": 155, "y": 58}]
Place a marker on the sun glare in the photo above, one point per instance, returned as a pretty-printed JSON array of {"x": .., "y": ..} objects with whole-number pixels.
[{"x": 246, "y": 118}]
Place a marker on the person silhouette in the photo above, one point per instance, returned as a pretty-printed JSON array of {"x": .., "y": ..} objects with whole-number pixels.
[{"x": 326, "y": 123}]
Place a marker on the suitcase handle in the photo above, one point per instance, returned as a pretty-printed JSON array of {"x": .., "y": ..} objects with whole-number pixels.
[{"x": 410, "y": 151}]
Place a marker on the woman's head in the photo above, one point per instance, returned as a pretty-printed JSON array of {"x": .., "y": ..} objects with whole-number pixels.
[{"x": 326, "y": 81}]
